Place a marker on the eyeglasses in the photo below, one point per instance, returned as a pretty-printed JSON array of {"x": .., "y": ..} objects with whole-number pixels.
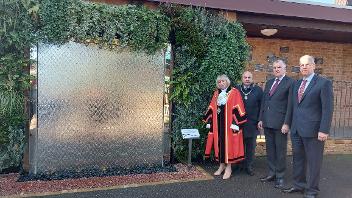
[{"x": 305, "y": 65}]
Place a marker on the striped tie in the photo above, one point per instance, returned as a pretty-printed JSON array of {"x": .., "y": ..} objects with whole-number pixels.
[
  {"x": 301, "y": 90},
  {"x": 272, "y": 90}
]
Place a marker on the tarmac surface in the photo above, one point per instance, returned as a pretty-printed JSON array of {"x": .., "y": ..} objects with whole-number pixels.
[{"x": 335, "y": 182}]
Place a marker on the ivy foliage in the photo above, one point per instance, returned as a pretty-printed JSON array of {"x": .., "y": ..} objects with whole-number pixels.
[
  {"x": 11, "y": 129},
  {"x": 133, "y": 26},
  {"x": 23, "y": 23},
  {"x": 205, "y": 45},
  {"x": 17, "y": 33},
  {"x": 16, "y": 26},
  {"x": 16, "y": 36}
]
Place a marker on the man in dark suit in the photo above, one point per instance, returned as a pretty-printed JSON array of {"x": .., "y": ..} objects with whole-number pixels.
[
  {"x": 252, "y": 97},
  {"x": 312, "y": 109},
  {"x": 274, "y": 118}
]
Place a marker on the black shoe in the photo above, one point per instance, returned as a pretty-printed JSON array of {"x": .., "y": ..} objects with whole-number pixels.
[
  {"x": 292, "y": 190},
  {"x": 279, "y": 183},
  {"x": 250, "y": 171},
  {"x": 268, "y": 178},
  {"x": 309, "y": 196}
]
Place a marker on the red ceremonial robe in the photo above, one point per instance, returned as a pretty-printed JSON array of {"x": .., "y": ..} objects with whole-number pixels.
[{"x": 228, "y": 144}]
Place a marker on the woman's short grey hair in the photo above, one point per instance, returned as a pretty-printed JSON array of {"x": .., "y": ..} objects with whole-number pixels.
[{"x": 222, "y": 77}]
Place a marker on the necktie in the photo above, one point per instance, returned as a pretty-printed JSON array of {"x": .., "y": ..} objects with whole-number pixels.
[
  {"x": 272, "y": 90},
  {"x": 301, "y": 90}
]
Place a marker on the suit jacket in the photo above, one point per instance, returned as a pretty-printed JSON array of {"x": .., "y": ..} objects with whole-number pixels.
[
  {"x": 276, "y": 109},
  {"x": 252, "y": 107},
  {"x": 314, "y": 112}
]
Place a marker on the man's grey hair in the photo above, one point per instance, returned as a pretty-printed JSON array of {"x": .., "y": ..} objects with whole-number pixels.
[
  {"x": 223, "y": 77},
  {"x": 281, "y": 62}
]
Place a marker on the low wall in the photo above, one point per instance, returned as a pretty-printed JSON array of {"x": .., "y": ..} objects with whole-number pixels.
[{"x": 332, "y": 146}]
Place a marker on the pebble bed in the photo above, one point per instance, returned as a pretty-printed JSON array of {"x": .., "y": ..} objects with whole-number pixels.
[{"x": 11, "y": 186}]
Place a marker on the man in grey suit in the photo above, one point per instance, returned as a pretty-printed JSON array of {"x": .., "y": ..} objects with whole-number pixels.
[
  {"x": 312, "y": 109},
  {"x": 274, "y": 118}
]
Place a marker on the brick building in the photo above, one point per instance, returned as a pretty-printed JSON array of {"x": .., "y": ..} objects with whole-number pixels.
[{"x": 288, "y": 29}]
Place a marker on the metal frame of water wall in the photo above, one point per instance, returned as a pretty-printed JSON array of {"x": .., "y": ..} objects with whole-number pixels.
[{"x": 97, "y": 108}]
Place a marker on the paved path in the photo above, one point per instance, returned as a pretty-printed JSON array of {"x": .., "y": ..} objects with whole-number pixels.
[{"x": 336, "y": 182}]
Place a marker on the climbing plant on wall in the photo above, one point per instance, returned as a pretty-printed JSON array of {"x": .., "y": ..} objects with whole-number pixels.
[
  {"x": 26, "y": 22},
  {"x": 132, "y": 26},
  {"x": 205, "y": 45},
  {"x": 16, "y": 37}
]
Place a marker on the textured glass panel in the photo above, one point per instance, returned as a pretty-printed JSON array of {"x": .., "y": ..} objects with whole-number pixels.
[{"x": 98, "y": 108}]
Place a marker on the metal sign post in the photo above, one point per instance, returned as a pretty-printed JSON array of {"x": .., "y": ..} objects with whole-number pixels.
[
  {"x": 189, "y": 152},
  {"x": 190, "y": 134}
]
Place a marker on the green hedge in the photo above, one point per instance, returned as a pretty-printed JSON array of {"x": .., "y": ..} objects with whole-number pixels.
[
  {"x": 25, "y": 22},
  {"x": 17, "y": 33},
  {"x": 132, "y": 26},
  {"x": 206, "y": 45},
  {"x": 11, "y": 129}
]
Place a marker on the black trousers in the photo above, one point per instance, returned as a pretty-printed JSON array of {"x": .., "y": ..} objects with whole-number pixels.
[
  {"x": 276, "y": 151},
  {"x": 249, "y": 151}
]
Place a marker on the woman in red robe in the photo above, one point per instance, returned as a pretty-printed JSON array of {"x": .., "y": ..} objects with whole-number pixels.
[{"x": 224, "y": 118}]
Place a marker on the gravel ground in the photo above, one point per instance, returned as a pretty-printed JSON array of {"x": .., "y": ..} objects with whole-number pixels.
[{"x": 9, "y": 186}]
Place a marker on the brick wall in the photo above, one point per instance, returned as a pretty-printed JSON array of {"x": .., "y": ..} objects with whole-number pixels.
[
  {"x": 331, "y": 147},
  {"x": 347, "y": 62},
  {"x": 335, "y": 63},
  {"x": 336, "y": 58}
]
